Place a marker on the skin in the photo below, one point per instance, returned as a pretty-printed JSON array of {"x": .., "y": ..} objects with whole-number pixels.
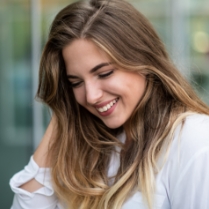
[
  {"x": 96, "y": 81},
  {"x": 95, "y": 85},
  {"x": 40, "y": 156}
]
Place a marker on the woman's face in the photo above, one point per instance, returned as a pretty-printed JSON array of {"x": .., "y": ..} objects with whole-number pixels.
[{"x": 104, "y": 89}]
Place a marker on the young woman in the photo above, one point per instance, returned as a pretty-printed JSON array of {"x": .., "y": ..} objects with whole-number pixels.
[{"x": 127, "y": 130}]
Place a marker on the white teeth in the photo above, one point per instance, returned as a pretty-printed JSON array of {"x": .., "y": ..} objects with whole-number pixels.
[{"x": 108, "y": 106}]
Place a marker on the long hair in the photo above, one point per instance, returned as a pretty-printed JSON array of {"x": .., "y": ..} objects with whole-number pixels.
[{"x": 80, "y": 152}]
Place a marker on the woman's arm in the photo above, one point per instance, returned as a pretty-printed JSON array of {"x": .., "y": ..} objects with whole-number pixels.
[
  {"x": 41, "y": 156},
  {"x": 32, "y": 186}
]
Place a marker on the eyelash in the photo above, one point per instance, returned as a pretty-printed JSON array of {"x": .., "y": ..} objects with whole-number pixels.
[
  {"x": 105, "y": 74},
  {"x": 74, "y": 85}
]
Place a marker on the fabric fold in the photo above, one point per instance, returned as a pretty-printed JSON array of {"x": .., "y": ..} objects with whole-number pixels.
[{"x": 32, "y": 170}]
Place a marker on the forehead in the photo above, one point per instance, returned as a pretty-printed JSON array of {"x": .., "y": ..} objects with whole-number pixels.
[{"x": 83, "y": 54}]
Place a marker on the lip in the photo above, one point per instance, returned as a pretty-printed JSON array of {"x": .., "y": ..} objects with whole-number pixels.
[{"x": 108, "y": 112}]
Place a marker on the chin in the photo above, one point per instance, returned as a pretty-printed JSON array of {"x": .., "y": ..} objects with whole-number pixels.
[{"x": 113, "y": 125}]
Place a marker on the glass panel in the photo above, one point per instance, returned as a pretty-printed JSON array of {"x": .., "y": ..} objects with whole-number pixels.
[
  {"x": 15, "y": 92},
  {"x": 199, "y": 47}
]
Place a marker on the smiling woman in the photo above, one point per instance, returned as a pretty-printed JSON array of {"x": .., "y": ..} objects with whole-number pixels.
[
  {"x": 127, "y": 129},
  {"x": 100, "y": 86}
]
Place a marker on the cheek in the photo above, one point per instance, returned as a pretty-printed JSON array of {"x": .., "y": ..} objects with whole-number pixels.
[
  {"x": 79, "y": 96},
  {"x": 137, "y": 88},
  {"x": 142, "y": 84}
]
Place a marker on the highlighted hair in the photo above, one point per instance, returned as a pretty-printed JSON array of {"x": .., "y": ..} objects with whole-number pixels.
[{"x": 80, "y": 152}]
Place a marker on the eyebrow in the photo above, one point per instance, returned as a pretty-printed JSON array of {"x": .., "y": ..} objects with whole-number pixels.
[{"x": 94, "y": 69}]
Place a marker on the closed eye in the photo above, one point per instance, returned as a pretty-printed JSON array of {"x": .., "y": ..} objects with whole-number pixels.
[
  {"x": 104, "y": 75},
  {"x": 75, "y": 84}
]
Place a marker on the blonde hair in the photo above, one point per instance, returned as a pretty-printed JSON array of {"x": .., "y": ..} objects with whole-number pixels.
[{"x": 81, "y": 150}]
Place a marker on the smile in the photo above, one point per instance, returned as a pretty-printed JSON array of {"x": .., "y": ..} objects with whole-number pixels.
[{"x": 108, "y": 106}]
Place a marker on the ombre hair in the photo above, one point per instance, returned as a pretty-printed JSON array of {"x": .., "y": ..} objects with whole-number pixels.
[{"x": 81, "y": 149}]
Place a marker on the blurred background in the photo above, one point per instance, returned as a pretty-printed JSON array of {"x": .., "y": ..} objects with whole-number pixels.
[{"x": 182, "y": 25}]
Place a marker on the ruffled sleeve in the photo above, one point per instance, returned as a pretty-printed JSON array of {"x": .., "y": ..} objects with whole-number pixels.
[{"x": 43, "y": 198}]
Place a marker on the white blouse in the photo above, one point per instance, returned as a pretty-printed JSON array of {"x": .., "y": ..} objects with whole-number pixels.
[{"x": 182, "y": 183}]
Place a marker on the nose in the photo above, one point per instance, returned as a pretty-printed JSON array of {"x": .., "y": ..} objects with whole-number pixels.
[{"x": 93, "y": 93}]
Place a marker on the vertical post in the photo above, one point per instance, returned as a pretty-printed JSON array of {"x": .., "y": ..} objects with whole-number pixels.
[
  {"x": 180, "y": 32},
  {"x": 37, "y": 115}
]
